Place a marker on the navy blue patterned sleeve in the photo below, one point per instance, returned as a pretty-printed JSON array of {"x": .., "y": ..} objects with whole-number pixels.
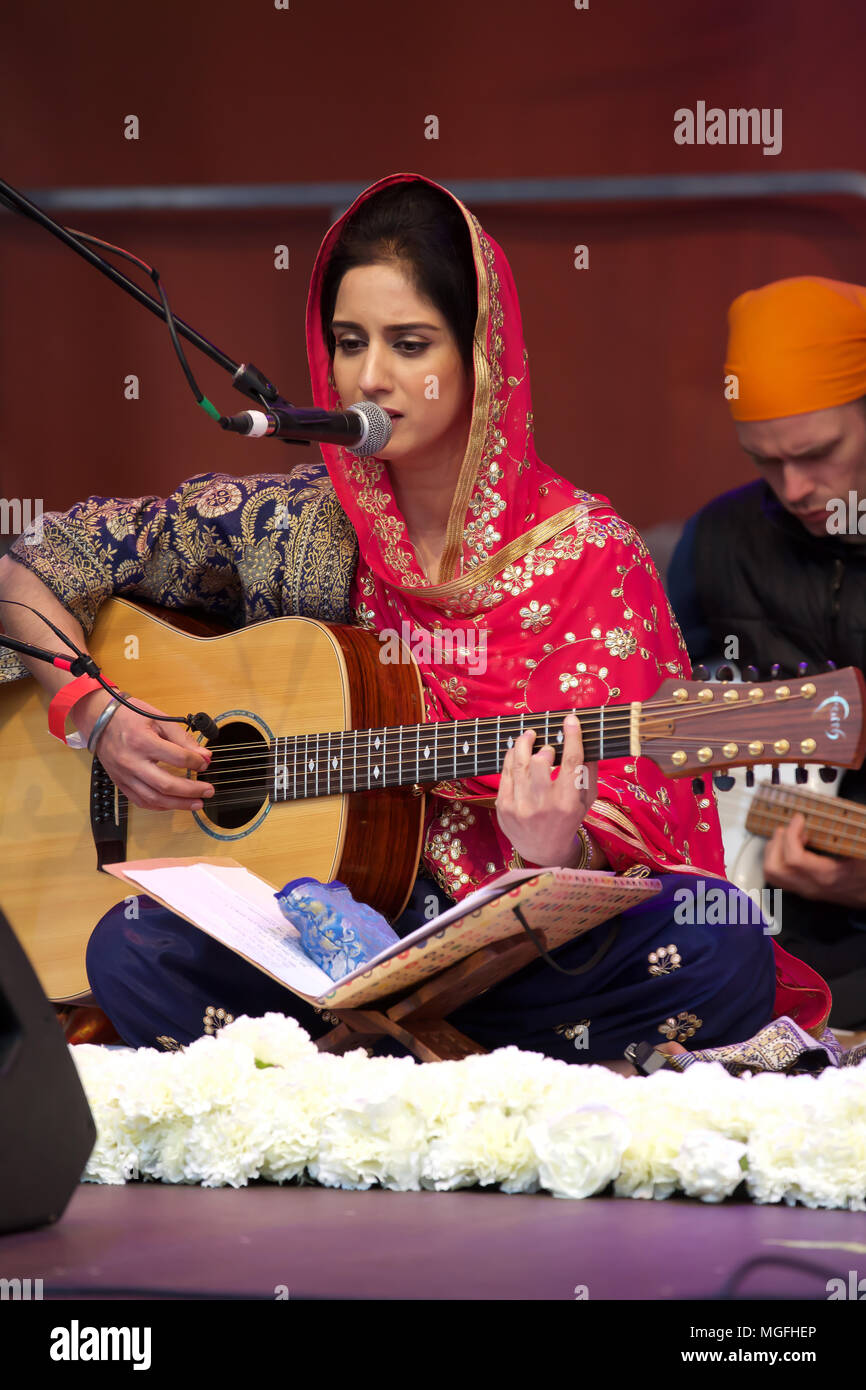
[{"x": 241, "y": 548}]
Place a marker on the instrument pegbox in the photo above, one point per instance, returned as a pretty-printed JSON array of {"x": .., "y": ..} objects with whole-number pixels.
[
  {"x": 751, "y": 674},
  {"x": 828, "y": 774}
]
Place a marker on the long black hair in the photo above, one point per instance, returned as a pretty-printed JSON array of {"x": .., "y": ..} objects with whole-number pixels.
[{"x": 426, "y": 230}]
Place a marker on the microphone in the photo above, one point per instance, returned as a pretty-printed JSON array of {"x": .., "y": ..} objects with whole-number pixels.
[{"x": 362, "y": 429}]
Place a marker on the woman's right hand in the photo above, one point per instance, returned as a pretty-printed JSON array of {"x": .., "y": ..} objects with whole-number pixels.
[{"x": 131, "y": 748}]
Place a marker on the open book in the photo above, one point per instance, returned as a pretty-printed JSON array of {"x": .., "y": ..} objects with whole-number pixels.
[{"x": 238, "y": 909}]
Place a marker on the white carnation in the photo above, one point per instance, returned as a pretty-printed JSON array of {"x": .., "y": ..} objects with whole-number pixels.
[
  {"x": 709, "y": 1166},
  {"x": 579, "y": 1152}
]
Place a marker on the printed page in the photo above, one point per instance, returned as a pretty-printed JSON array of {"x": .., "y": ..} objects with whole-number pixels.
[{"x": 240, "y": 910}]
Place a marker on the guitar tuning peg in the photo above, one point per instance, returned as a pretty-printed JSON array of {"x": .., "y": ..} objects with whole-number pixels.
[
  {"x": 828, "y": 774},
  {"x": 723, "y": 780},
  {"x": 724, "y": 673},
  {"x": 829, "y": 666},
  {"x": 698, "y": 786},
  {"x": 800, "y": 774},
  {"x": 751, "y": 673},
  {"x": 750, "y": 776},
  {"x": 803, "y": 668},
  {"x": 775, "y": 671},
  {"x": 700, "y": 673},
  {"x": 774, "y": 777}
]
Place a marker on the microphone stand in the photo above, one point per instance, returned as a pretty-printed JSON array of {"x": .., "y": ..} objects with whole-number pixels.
[{"x": 246, "y": 378}]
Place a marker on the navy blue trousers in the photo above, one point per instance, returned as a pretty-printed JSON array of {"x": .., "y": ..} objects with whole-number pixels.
[{"x": 701, "y": 985}]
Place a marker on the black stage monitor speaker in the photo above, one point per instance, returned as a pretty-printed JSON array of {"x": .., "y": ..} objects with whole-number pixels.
[{"x": 46, "y": 1128}]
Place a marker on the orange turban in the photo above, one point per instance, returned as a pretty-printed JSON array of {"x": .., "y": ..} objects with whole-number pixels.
[{"x": 795, "y": 346}]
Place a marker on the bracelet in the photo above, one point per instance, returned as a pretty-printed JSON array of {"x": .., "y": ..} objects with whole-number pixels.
[
  {"x": 107, "y": 714},
  {"x": 67, "y": 696},
  {"x": 586, "y": 848}
]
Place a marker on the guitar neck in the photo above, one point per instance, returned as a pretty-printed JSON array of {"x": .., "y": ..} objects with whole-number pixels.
[
  {"x": 836, "y": 827},
  {"x": 328, "y": 764}
]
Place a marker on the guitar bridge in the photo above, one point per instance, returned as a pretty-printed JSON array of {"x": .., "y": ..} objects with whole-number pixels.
[{"x": 108, "y": 808}]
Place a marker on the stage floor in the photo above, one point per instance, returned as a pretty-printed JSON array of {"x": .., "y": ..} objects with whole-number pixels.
[{"x": 311, "y": 1242}]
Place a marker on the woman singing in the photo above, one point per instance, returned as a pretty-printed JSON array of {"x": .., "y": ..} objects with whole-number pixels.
[{"x": 543, "y": 597}]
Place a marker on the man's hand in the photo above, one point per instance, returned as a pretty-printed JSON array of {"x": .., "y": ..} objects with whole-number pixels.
[
  {"x": 788, "y": 864},
  {"x": 539, "y": 813}
]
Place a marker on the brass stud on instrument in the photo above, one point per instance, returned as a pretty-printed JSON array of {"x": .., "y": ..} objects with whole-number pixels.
[
  {"x": 808, "y": 690},
  {"x": 808, "y": 745},
  {"x": 756, "y": 693},
  {"x": 730, "y": 750},
  {"x": 783, "y": 692},
  {"x": 678, "y": 758},
  {"x": 680, "y": 695},
  {"x": 704, "y": 754},
  {"x": 730, "y": 696},
  {"x": 781, "y": 746},
  {"x": 705, "y": 696},
  {"x": 756, "y": 748}
]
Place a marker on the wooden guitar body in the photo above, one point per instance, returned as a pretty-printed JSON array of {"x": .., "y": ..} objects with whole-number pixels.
[{"x": 259, "y": 683}]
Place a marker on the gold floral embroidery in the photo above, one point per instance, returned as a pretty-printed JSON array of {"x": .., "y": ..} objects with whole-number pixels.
[
  {"x": 444, "y": 849},
  {"x": 452, "y": 687},
  {"x": 219, "y": 499},
  {"x": 536, "y": 616},
  {"x": 365, "y": 616},
  {"x": 327, "y": 1016},
  {"x": 681, "y": 1028},
  {"x": 572, "y": 1030},
  {"x": 620, "y": 642},
  {"x": 663, "y": 960},
  {"x": 215, "y": 1018},
  {"x": 170, "y": 1044}
]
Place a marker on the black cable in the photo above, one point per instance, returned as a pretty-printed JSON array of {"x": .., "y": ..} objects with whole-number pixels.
[
  {"x": 545, "y": 955},
  {"x": 786, "y": 1261},
  {"x": 200, "y": 398},
  {"x": 196, "y": 723}
]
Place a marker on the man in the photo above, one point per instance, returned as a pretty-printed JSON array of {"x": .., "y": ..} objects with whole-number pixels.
[{"x": 769, "y": 565}]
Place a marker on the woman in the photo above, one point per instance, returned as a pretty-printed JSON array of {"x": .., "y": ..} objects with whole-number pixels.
[{"x": 464, "y": 534}]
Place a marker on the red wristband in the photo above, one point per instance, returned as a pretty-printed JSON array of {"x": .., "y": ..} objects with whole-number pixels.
[{"x": 62, "y": 703}]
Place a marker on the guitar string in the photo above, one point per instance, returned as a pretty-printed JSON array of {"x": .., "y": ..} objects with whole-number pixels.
[
  {"x": 615, "y": 723},
  {"x": 848, "y": 824},
  {"x": 320, "y": 790}
]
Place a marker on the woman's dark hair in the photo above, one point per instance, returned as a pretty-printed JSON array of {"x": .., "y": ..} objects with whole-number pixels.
[{"x": 425, "y": 229}]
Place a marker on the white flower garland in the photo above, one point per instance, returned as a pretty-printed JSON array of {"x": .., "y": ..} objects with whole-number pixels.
[{"x": 258, "y": 1100}]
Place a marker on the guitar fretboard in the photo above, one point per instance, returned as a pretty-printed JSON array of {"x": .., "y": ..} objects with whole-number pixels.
[
  {"x": 836, "y": 827},
  {"x": 329, "y": 764}
]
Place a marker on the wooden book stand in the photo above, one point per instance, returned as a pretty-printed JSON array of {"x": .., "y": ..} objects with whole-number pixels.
[{"x": 417, "y": 1017}]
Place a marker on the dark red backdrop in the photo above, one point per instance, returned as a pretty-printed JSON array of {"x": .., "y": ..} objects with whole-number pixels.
[{"x": 626, "y": 357}]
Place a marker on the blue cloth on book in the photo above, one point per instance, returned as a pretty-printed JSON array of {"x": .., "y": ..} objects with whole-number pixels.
[{"x": 337, "y": 932}]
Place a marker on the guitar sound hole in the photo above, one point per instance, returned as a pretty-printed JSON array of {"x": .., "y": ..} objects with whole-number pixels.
[{"x": 239, "y": 775}]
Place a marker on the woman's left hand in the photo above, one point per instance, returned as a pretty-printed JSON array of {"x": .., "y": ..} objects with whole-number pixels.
[{"x": 539, "y": 813}]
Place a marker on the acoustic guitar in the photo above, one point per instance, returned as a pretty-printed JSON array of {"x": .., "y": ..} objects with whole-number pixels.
[{"x": 321, "y": 762}]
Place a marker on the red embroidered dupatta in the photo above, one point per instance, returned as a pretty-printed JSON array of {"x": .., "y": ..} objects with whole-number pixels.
[{"x": 561, "y": 587}]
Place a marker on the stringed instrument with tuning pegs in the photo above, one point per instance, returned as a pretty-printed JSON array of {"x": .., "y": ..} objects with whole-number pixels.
[
  {"x": 320, "y": 764},
  {"x": 749, "y": 813}
]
